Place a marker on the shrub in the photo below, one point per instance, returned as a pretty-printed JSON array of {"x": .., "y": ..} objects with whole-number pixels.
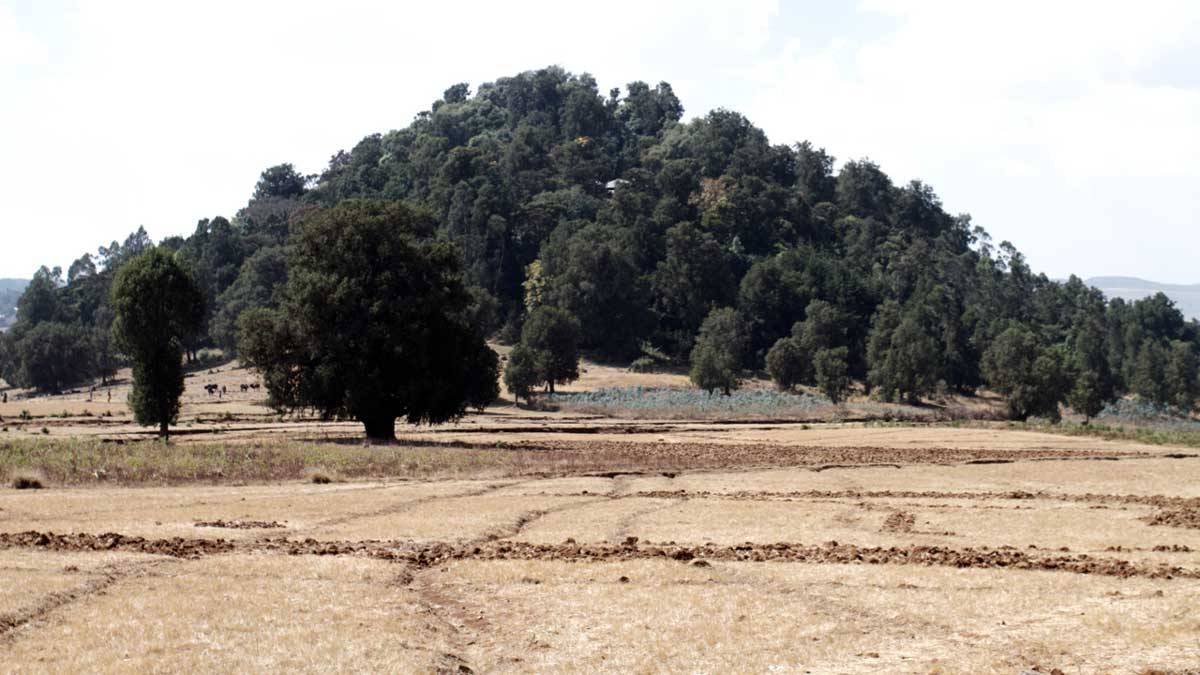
[
  {"x": 832, "y": 371},
  {"x": 319, "y": 476},
  {"x": 643, "y": 364},
  {"x": 28, "y": 480},
  {"x": 788, "y": 364}
]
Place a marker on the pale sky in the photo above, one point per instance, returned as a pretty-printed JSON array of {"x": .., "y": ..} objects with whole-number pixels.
[{"x": 1070, "y": 128}]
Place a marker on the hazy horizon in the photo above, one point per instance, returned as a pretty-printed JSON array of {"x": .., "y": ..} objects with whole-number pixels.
[{"x": 1074, "y": 147}]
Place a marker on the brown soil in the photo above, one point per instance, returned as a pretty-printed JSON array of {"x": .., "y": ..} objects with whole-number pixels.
[
  {"x": 242, "y": 524},
  {"x": 1188, "y": 504},
  {"x": 899, "y": 522},
  {"x": 699, "y": 455},
  {"x": 1188, "y": 517},
  {"x": 428, "y": 555}
]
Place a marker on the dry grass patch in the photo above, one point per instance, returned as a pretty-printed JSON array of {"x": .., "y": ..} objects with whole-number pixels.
[
  {"x": 1150, "y": 476},
  {"x": 607, "y": 520},
  {"x": 27, "y": 577},
  {"x": 242, "y": 613},
  {"x": 24, "y": 479},
  {"x": 173, "y": 512},
  {"x": 450, "y": 519},
  {"x": 545, "y": 616}
]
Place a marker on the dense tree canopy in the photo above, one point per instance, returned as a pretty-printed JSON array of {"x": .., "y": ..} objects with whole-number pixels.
[
  {"x": 159, "y": 308},
  {"x": 551, "y": 339},
  {"x": 612, "y": 207},
  {"x": 373, "y": 324}
]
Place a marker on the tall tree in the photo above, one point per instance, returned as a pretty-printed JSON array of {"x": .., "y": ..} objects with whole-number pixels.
[
  {"x": 1032, "y": 378},
  {"x": 158, "y": 307},
  {"x": 552, "y": 337},
  {"x": 374, "y": 322},
  {"x": 1094, "y": 385}
]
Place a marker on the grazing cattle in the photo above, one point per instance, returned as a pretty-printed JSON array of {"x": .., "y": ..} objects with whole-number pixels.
[
  {"x": 211, "y": 389},
  {"x": 245, "y": 387},
  {"x": 254, "y": 386}
]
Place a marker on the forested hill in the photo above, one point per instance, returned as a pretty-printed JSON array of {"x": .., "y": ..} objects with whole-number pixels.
[{"x": 641, "y": 225}]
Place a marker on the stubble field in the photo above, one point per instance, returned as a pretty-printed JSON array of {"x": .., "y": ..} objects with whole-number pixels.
[{"x": 544, "y": 541}]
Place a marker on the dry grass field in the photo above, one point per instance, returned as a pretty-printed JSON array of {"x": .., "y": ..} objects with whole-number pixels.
[{"x": 525, "y": 541}]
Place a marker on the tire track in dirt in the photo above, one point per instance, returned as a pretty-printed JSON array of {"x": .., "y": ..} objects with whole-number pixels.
[
  {"x": 626, "y": 522},
  {"x": 101, "y": 580},
  {"x": 460, "y": 629},
  {"x": 528, "y": 518},
  {"x": 407, "y": 505},
  {"x": 425, "y": 555},
  {"x": 1159, "y": 501}
]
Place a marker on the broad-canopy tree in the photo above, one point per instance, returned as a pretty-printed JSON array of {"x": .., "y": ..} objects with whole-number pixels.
[
  {"x": 373, "y": 324},
  {"x": 1033, "y": 378},
  {"x": 552, "y": 337},
  {"x": 716, "y": 357},
  {"x": 158, "y": 307},
  {"x": 832, "y": 372},
  {"x": 789, "y": 363},
  {"x": 521, "y": 374}
]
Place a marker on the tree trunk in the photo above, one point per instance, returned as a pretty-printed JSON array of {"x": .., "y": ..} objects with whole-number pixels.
[
  {"x": 162, "y": 430},
  {"x": 381, "y": 428}
]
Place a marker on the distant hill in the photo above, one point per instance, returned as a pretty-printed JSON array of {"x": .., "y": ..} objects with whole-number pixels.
[
  {"x": 1186, "y": 297},
  {"x": 10, "y": 292}
]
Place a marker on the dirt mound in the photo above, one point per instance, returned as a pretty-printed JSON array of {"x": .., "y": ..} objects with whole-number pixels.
[
  {"x": 176, "y": 547},
  {"x": 438, "y": 553},
  {"x": 830, "y": 553},
  {"x": 899, "y": 522},
  {"x": 242, "y": 524},
  {"x": 1188, "y": 518},
  {"x": 1161, "y": 501}
]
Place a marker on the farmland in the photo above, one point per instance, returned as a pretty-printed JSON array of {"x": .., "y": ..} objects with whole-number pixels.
[{"x": 590, "y": 536}]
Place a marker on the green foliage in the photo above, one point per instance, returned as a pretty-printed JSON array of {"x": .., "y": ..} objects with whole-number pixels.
[
  {"x": 1182, "y": 375},
  {"x": 789, "y": 363},
  {"x": 52, "y": 357},
  {"x": 905, "y": 361},
  {"x": 280, "y": 182},
  {"x": 609, "y": 206},
  {"x": 716, "y": 357},
  {"x": 643, "y": 364},
  {"x": 552, "y": 337},
  {"x": 590, "y": 274},
  {"x": 374, "y": 321},
  {"x": 158, "y": 308},
  {"x": 1032, "y": 378},
  {"x": 483, "y": 372},
  {"x": 1149, "y": 377},
  {"x": 521, "y": 373},
  {"x": 259, "y": 284},
  {"x": 695, "y": 276},
  {"x": 1094, "y": 384},
  {"x": 832, "y": 371}
]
